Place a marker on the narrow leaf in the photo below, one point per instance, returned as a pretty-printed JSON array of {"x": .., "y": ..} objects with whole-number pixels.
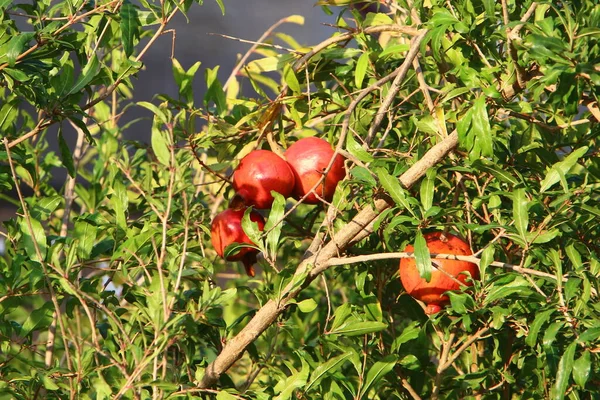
[
  {"x": 355, "y": 328},
  {"x": 250, "y": 227},
  {"x": 426, "y": 189},
  {"x": 376, "y": 372},
  {"x": 393, "y": 187},
  {"x": 561, "y": 168},
  {"x": 540, "y": 320},
  {"x": 86, "y": 234},
  {"x": 275, "y": 223},
  {"x": 581, "y": 368},
  {"x": 291, "y": 80},
  {"x": 16, "y": 46},
  {"x": 129, "y": 26},
  {"x": 520, "y": 215},
  {"x": 422, "y": 257},
  {"x": 357, "y": 150},
  {"x": 32, "y": 239},
  {"x": 481, "y": 127},
  {"x": 65, "y": 154},
  {"x": 327, "y": 368},
  {"x": 160, "y": 145},
  {"x": 361, "y": 69},
  {"x": 565, "y": 366},
  {"x": 88, "y": 73}
]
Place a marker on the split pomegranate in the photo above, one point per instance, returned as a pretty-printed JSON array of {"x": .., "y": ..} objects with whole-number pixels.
[
  {"x": 309, "y": 159},
  {"x": 260, "y": 172},
  {"x": 226, "y": 229},
  {"x": 432, "y": 293}
]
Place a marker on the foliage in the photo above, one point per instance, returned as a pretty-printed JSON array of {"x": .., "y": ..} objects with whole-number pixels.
[{"x": 109, "y": 287}]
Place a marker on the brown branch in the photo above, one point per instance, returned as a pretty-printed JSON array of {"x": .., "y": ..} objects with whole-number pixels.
[
  {"x": 314, "y": 264},
  {"x": 394, "y": 89}
]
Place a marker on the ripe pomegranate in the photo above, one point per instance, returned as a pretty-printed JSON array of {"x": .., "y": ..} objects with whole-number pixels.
[
  {"x": 226, "y": 229},
  {"x": 309, "y": 158},
  {"x": 260, "y": 172},
  {"x": 432, "y": 293}
]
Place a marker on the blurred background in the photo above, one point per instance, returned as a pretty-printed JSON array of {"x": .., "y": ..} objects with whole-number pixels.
[{"x": 197, "y": 39}]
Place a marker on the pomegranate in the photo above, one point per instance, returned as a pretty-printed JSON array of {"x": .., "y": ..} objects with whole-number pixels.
[
  {"x": 226, "y": 229},
  {"x": 432, "y": 293},
  {"x": 260, "y": 172},
  {"x": 309, "y": 158}
]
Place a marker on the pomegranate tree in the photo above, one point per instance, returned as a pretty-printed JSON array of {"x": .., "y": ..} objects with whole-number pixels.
[
  {"x": 260, "y": 172},
  {"x": 227, "y": 229},
  {"x": 432, "y": 293},
  {"x": 309, "y": 159}
]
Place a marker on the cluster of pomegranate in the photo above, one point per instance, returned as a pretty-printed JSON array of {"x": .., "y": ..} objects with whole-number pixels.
[
  {"x": 448, "y": 275},
  {"x": 302, "y": 175}
]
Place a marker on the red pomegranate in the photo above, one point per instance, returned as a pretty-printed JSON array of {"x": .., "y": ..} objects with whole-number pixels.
[
  {"x": 260, "y": 172},
  {"x": 309, "y": 158},
  {"x": 432, "y": 293},
  {"x": 226, "y": 229}
]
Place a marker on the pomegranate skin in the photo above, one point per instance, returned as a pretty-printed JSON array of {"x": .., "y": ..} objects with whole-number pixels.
[
  {"x": 226, "y": 229},
  {"x": 432, "y": 293},
  {"x": 260, "y": 172},
  {"x": 309, "y": 158}
]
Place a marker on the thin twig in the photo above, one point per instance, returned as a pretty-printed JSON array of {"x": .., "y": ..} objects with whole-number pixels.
[{"x": 471, "y": 259}]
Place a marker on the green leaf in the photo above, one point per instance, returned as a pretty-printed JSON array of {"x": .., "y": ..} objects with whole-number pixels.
[
  {"x": 221, "y": 6},
  {"x": 328, "y": 368},
  {"x": 357, "y": 150},
  {"x": 86, "y": 234},
  {"x": 250, "y": 227},
  {"x": 581, "y": 368},
  {"x": 129, "y": 26},
  {"x": 340, "y": 315},
  {"x": 409, "y": 333},
  {"x": 540, "y": 320},
  {"x": 223, "y": 395},
  {"x": 296, "y": 380},
  {"x": 34, "y": 239},
  {"x": 291, "y": 80},
  {"x": 65, "y": 154},
  {"x": 214, "y": 91},
  {"x": 377, "y": 372},
  {"x": 45, "y": 207},
  {"x": 565, "y": 366},
  {"x": 39, "y": 318},
  {"x": 307, "y": 305},
  {"x": 89, "y": 72},
  {"x": 275, "y": 224},
  {"x": 481, "y": 126},
  {"x": 355, "y": 328},
  {"x": 427, "y": 187},
  {"x": 422, "y": 257},
  {"x": 561, "y": 168},
  {"x": 393, "y": 187},
  {"x": 520, "y": 214},
  {"x": 16, "y": 45},
  {"x": 361, "y": 69},
  {"x": 81, "y": 125},
  {"x": 161, "y": 144},
  {"x": 184, "y": 80}
]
